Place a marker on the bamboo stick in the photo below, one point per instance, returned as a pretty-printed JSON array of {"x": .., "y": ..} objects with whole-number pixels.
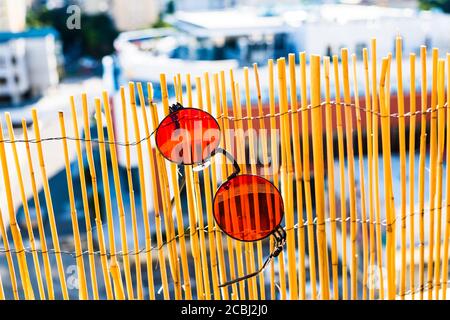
[
  {"x": 253, "y": 160},
  {"x": 372, "y": 249},
  {"x": 168, "y": 218},
  {"x": 341, "y": 177},
  {"x": 274, "y": 156},
  {"x": 447, "y": 199},
  {"x": 49, "y": 203},
  {"x": 241, "y": 158},
  {"x": 433, "y": 171},
  {"x": 113, "y": 265},
  {"x": 423, "y": 137},
  {"x": 11, "y": 268},
  {"x": 194, "y": 236},
  {"x": 319, "y": 176},
  {"x": 98, "y": 216},
  {"x": 287, "y": 172},
  {"x": 440, "y": 169},
  {"x": 307, "y": 177},
  {"x": 412, "y": 153},
  {"x": 290, "y": 173},
  {"x": 209, "y": 207},
  {"x": 143, "y": 189},
  {"x": 203, "y": 250},
  {"x": 139, "y": 287},
  {"x": 87, "y": 216},
  {"x": 119, "y": 198},
  {"x": 37, "y": 207},
  {"x": 154, "y": 166},
  {"x": 331, "y": 183},
  {"x": 240, "y": 264},
  {"x": 82, "y": 292},
  {"x": 37, "y": 266},
  {"x": 390, "y": 210},
  {"x": 15, "y": 231},
  {"x": 298, "y": 173},
  {"x": 402, "y": 133},
  {"x": 222, "y": 269},
  {"x": 351, "y": 174},
  {"x": 362, "y": 181},
  {"x": 226, "y": 143},
  {"x": 376, "y": 168},
  {"x": 174, "y": 173}
]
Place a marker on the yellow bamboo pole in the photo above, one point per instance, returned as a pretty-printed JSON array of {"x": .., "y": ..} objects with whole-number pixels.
[
  {"x": 423, "y": 141},
  {"x": 49, "y": 203},
  {"x": 433, "y": 171},
  {"x": 330, "y": 175},
  {"x": 412, "y": 154},
  {"x": 240, "y": 262},
  {"x": 402, "y": 138},
  {"x": 2, "y": 293},
  {"x": 37, "y": 266},
  {"x": 369, "y": 116},
  {"x": 376, "y": 168},
  {"x": 289, "y": 170},
  {"x": 11, "y": 269},
  {"x": 390, "y": 210},
  {"x": 113, "y": 266},
  {"x": 15, "y": 231},
  {"x": 143, "y": 189},
  {"x": 298, "y": 174},
  {"x": 87, "y": 215},
  {"x": 219, "y": 239},
  {"x": 440, "y": 169},
  {"x": 343, "y": 201},
  {"x": 119, "y": 199},
  {"x": 351, "y": 174},
  {"x": 82, "y": 292},
  {"x": 307, "y": 176},
  {"x": 253, "y": 160},
  {"x": 98, "y": 218},
  {"x": 197, "y": 189},
  {"x": 209, "y": 208},
  {"x": 274, "y": 156},
  {"x": 319, "y": 176},
  {"x": 447, "y": 199},
  {"x": 153, "y": 169},
  {"x": 241, "y": 156},
  {"x": 139, "y": 289},
  {"x": 37, "y": 207},
  {"x": 167, "y": 210},
  {"x": 362, "y": 181},
  {"x": 226, "y": 144},
  {"x": 286, "y": 168}
]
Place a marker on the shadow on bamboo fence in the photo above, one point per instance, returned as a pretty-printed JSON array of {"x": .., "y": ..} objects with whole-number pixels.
[{"x": 366, "y": 206}]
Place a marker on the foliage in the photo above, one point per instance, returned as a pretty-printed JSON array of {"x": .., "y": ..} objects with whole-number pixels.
[
  {"x": 95, "y": 37},
  {"x": 441, "y": 4}
]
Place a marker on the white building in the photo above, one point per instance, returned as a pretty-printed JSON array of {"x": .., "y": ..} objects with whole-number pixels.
[
  {"x": 12, "y": 15},
  {"x": 28, "y": 63}
]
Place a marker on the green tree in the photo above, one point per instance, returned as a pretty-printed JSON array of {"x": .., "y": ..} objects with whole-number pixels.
[{"x": 441, "y": 4}]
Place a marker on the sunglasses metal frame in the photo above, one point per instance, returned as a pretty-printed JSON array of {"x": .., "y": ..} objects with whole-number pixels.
[{"x": 278, "y": 232}]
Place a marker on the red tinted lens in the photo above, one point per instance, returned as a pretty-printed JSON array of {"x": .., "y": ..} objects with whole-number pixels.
[
  {"x": 188, "y": 136},
  {"x": 248, "y": 208}
]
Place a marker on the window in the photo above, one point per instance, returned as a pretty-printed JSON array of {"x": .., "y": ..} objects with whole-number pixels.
[
  {"x": 16, "y": 79},
  {"x": 13, "y": 61},
  {"x": 3, "y": 81}
]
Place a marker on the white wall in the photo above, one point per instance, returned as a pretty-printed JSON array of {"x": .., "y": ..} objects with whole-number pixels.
[{"x": 42, "y": 63}]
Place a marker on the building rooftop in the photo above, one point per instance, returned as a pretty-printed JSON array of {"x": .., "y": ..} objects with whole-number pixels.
[{"x": 30, "y": 33}]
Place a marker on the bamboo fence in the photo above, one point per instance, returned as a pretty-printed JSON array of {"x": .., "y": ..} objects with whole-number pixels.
[{"x": 327, "y": 144}]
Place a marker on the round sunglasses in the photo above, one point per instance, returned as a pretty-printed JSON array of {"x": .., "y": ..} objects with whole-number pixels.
[{"x": 246, "y": 207}]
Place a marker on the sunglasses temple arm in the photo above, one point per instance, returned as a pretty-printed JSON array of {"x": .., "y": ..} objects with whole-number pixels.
[
  {"x": 248, "y": 276},
  {"x": 237, "y": 169}
]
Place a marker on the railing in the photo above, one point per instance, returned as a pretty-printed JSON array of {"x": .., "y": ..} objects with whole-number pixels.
[{"x": 352, "y": 191}]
